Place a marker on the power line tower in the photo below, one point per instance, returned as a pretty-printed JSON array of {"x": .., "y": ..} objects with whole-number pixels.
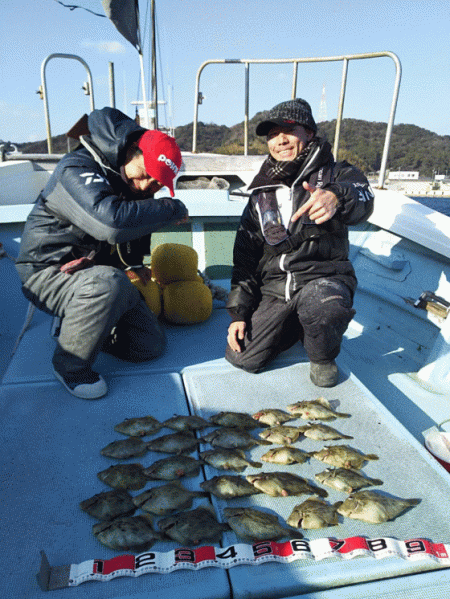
[{"x": 323, "y": 107}]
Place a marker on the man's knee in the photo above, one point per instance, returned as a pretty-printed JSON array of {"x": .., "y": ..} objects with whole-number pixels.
[{"x": 241, "y": 360}]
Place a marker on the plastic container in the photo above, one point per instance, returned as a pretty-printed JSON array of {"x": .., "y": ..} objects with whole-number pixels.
[{"x": 438, "y": 444}]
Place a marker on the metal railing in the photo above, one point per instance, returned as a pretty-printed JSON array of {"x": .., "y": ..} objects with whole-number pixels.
[
  {"x": 296, "y": 61},
  {"x": 43, "y": 90}
]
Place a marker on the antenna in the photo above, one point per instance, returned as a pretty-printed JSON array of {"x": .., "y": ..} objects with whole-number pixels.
[{"x": 323, "y": 107}]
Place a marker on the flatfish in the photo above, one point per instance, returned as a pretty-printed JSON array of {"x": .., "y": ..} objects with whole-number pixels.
[
  {"x": 228, "y": 486},
  {"x": 228, "y": 459},
  {"x": 182, "y": 442},
  {"x": 314, "y": 513},
  {"x": 317, "y": 409},
  {"x": 373, "y": 507},
  {"x": 232, "y": 438},
  {"x": 345, "y": 479},
  {"x": 125, "y": 448},
  {"x": 255, "y": 525},
  {"x": 272, "y": 417},
  {"x": 235, "y": 420},
  {"x": 323, "y": 432},
  {"x": 124, "y": 476},
  {"x": 166, "y": 499},
  {"x": 186, "y": 423},
  {"x": 285, "y": 455},
  {"x": 172, "y": 468},
  {"x": 283, "y": 484},
  {"x": 190, "y": 528},
  {"x": 138, "y": 427},
  {"x": 281, "y": 434},
  {"x": 109, "y": 504},
  {"x": 130, "y": 533},
  {"x": 343, "y": 456}
]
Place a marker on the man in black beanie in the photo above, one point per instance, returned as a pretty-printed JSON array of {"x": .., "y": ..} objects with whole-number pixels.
[{"x": 292, "y": 279}]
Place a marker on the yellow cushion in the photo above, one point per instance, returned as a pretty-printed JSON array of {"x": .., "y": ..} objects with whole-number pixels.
[
  {"x": 187, "y": 302},
  {"x": 151, "y": 292},
  {"x": 174, "y": 262}
]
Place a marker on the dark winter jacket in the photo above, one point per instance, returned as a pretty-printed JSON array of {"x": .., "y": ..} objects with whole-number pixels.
[
  {"x": 264, "y": 267},
  {"x": 86, "y": 206}
]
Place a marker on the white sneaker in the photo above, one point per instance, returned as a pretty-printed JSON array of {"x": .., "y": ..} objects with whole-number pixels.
[{"x": 85, "y": 384}]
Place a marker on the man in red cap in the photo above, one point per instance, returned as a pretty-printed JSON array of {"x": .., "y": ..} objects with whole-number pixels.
[{"x": 91, "y": 222}]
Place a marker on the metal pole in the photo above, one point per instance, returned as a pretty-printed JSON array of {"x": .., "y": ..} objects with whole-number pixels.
[
  {"x": 387, "y": 139},
  {"x": 112, "y": 86},
  {"x": 247, "y": 93},
  {"x": 154, "y": 79},
  {"x": 144, "y": 95},
  {"x": 294, "y": 80},
  {"x": 341, "y": 108}
]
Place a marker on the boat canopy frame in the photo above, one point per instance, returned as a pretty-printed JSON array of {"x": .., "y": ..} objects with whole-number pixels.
[{"x": 296, "y": 61}]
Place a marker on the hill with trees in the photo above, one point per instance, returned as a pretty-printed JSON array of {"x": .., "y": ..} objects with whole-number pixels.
[{"x": 361, "y": 143}]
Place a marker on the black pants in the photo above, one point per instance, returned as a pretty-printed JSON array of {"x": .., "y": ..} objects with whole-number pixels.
[{"x": 318, "y": 316}]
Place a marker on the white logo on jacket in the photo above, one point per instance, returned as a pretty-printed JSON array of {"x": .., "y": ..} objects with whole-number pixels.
[
  {"x": 93, "y": 178},
  {"x": 170, "y": 163}
]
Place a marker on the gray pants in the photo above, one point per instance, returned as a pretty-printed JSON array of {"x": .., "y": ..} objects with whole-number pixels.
[
  {"x": 91, "y": 302},
  {"x": 318, "y": 316}
]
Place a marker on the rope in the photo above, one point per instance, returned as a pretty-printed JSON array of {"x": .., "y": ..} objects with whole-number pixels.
[{"x": 218, "y": 292}]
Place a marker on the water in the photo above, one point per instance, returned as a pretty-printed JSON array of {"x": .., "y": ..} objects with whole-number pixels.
[{"x": 438, "y": 204}]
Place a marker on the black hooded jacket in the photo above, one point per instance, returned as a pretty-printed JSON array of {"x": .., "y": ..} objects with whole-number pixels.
[
  {"x": 86, "y": 206},
  {"x": 264, "y": 267}
]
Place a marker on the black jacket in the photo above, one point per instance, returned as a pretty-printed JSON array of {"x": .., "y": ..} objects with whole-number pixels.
[
  {"x": 87, "y": 207},
  {"x": 311, "y": 251}
]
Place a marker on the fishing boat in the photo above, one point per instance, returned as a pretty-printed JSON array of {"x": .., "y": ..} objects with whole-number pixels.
[{"x": 394, "y": 382}]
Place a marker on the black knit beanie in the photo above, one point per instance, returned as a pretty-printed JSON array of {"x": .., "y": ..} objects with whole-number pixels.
[{"x": 292, "y": 112}]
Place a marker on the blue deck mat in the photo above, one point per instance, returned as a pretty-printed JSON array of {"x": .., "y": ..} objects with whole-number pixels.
[
  {"x": 405, "y": 467},
  {"x": 50, "y": 457}
]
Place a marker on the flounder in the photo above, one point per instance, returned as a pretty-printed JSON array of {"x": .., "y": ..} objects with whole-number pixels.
[
  {"x": 373, "y": 507},
  {"x": 323, "y": 432},
  {"x": 281, "y": 434},
  {"x": 285, "y": 455},
  {"x": 317, "y": 409},
  {"x": 272, "y": 417},
  {"x": 232, "y": 438},
  {"x": 228, "y": 486},
  {"x": 228, "y": 459},
  {"x": 234, "y": 420},
  {"x": 109, "y": 504},
  {"x": 166, "y": 499},
  {"x": 172, "y": 468},
  {"x": 182, "y": 442},
  {"x": 254, "y": 525},
  {"x": 131, "y": 533},
  {"x": 186, "y": 423},
  {"x": 314, "y": 513},
  {"x": 138, "y": 427},
  {"x": 189, "y": 528},
  {"x": 283, "y": 484},
  {"x": 125, "y": 448},
  {"x": 345, "y": 479},
  {"x": 343, "y": 456},
  {"x": 124, "y": 476}
]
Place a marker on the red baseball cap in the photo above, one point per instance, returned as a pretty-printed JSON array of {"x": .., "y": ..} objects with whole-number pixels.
[{"x": 162, "y": 157}]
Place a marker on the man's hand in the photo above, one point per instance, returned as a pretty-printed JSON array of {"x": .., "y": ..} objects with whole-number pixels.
[
  {"x": 236, "y": 333},
  {"x": 144, "y": 274},
  {"x": 320, "y": 207}
]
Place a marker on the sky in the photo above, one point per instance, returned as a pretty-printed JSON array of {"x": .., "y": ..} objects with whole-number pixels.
[{"x": 191, "y": 32}]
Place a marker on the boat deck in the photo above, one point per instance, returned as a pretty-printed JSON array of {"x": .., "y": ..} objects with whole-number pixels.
[{"x": 51, "y": 454}]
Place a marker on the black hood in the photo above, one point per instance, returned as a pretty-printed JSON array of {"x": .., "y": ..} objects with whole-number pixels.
[{"x": 112, "y": 132}]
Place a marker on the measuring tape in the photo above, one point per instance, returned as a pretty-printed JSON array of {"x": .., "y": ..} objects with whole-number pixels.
[{"x": 152, "y": 562}]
